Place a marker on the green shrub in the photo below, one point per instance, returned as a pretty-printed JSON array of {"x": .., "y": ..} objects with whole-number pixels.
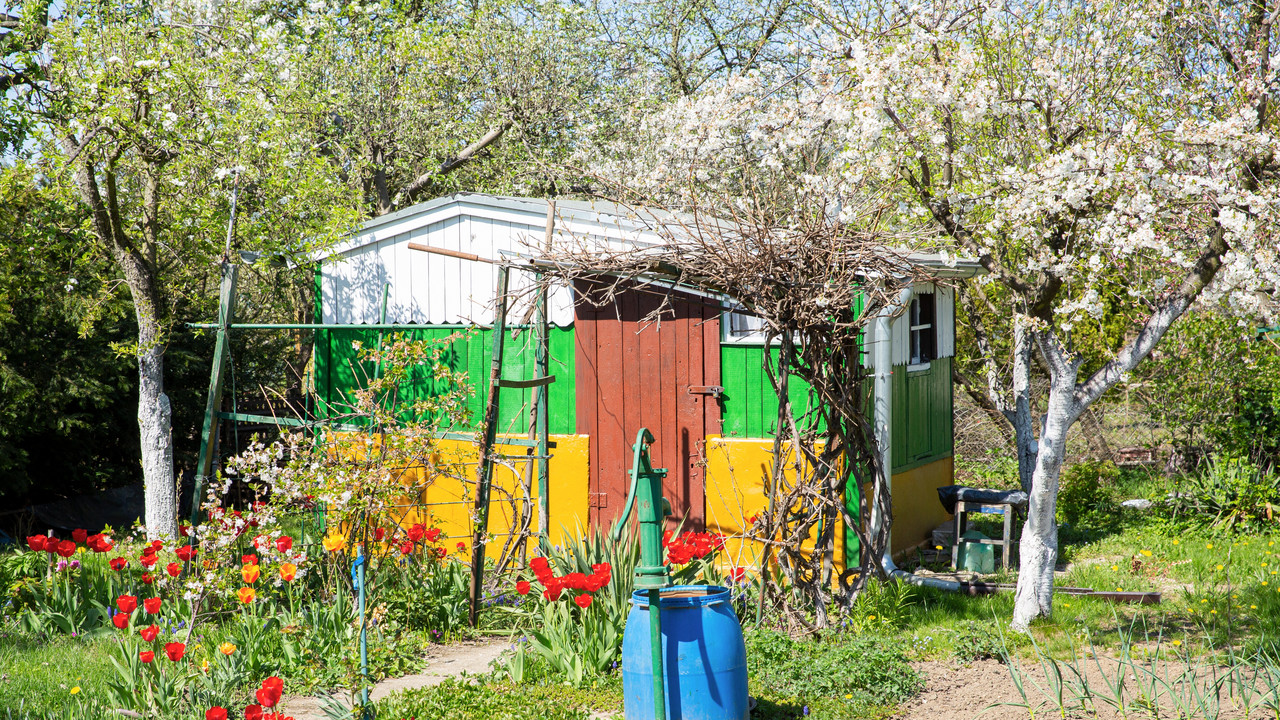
[
  {"x": 1231, "y": 492},
  {"x": 978, "y": 641},
  {"x": 995, "y": 470},
  {"x": 1085, "y": 489},
  {"x": 881, "y": 606},
  {"x": 430, "y": 597},
  {"x": 462, "y": 700},
  {"x": 871, "y": 668}
]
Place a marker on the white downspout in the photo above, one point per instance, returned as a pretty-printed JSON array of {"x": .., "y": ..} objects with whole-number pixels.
[{"x": 883, "y": 360}]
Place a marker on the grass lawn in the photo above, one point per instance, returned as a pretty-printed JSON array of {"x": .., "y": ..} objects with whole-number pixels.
[{"x": 39, "y": 677}]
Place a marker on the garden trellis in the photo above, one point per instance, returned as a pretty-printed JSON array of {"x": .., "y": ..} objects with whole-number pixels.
[{"x": 537, "y": 448}]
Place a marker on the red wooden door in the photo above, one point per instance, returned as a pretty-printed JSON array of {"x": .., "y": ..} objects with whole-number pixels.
[{"x": 632, "y": 374}]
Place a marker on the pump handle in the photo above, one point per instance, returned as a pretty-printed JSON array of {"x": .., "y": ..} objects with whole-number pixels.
[{"x": 644, "y": 438}]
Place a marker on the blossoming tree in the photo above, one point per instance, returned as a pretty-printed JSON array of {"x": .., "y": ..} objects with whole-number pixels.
[
  {"x": 1096, "y": 158},
  {"x": 1092, "y": 157},
  {"x": 146, "y": 113}
]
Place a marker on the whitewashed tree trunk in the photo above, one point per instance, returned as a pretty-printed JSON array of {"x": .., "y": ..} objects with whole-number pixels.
[
  {"x": 1038, "y": 551},
  {"x": 155, "y": 429},
  {"x": 137, "y": 263}
]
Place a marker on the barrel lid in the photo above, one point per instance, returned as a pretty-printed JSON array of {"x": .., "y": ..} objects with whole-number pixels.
[{"x": 683, "y": 596}]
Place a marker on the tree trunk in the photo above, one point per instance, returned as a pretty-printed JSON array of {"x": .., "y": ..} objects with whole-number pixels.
[
  {"x": 155, "y": 430},
  {"x": 154, "y": 412},
  {"x": 1038, "y": 551}
]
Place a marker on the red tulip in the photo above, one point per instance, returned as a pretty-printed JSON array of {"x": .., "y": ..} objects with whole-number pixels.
[
  {"x": 118, "y": 564},
  {"x": 249, "y": 559},
  {"x": 522, "y": 587},
  {"x": 417, "y": 532},
  {"x": 269, "y": 694},
  {"x": 378, "y": 534},
  {"x": 433, "y": 534},
  {"x": 80, "y": 535},
  {"x": 186, "y": 552},
  {"x": 156, "y": 546},
  {"x": 151, "y": 605},
  {"x": 120, "y": 620},
  {"x": 284, "y": 543},
  {"x": 215, "y": 713},
  {"x": 462, "y": 547},
  {"x": 184, "y": 530},
  {"x": 148, "y": 559},
  {"x": 174, "y": 569},
  {"x": 149, "y": 633},
  {"x": 253, "y": 712},
  {"x": 175, "y": 650},
  {"x": 127, "y": 603},
  {"x": 37, "y": 543},
  {"x": 146, "y": 656},
  {"x": 66, "y": 548},
  {"x": 406, "y": 547},
  {"x": 584, "y": 601},
  {"x": 147, "y": 579}
]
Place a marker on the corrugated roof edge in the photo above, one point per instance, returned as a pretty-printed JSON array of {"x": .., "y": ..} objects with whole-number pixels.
[{"x": 591, "y": 211}]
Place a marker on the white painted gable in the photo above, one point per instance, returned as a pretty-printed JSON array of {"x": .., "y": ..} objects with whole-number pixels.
[{"x": 427, "y": 288}]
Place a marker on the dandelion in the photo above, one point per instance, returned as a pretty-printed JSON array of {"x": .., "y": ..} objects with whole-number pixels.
[
  {"x": 1146, "y": 553},
  {"x": 1176, "y": 643},
  {"x": 848, "y": 696},
  {"x": 1176, "y": 541},
  {"x": 75, "y": 690},
  {"x": 1219, "y": 567},
  {"x": 1114, "y": 567}
]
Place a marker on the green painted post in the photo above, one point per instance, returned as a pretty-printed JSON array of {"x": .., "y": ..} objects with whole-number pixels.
[
  {"x": 221, "y": 356},
  {"x": 484, "y": 472},
  {"x": 541, "y": 368},
  {"x": 651, "y": 574}
]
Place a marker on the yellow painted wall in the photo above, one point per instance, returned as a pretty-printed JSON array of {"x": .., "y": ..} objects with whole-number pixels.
[
  {"x": 736, "y": 473},
  {"x": 916, "y": 510},
  {"x": 737, "y": 470},
  {"x": 447, "y": 502}
]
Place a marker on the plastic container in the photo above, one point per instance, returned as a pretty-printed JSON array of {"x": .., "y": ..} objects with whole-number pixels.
[
  {"x": 977, "y": 557},
  {"x": 704, "y": 660}
]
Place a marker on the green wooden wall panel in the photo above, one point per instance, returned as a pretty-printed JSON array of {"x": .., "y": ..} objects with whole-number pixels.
[
  {"x": 339, "y": 371},
  {"x": 749, "y": 408}
]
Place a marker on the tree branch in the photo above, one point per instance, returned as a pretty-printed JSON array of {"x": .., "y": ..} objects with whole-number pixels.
[
  {"x": 1167, "y": 311},
  {"x": 411, "y": 190}
]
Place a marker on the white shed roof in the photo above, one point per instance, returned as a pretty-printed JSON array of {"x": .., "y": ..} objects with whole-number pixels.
[{"x": 428, "y": 288}]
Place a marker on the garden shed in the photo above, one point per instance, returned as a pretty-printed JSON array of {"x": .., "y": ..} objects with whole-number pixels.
[{"x": 695, "y": 379}]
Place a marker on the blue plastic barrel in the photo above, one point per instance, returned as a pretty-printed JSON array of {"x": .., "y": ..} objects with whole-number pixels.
[{"x": 704, "y": 660}]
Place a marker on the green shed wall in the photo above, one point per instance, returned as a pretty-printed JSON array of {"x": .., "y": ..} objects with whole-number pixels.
[
  {"x": 922, "y": 421},
  {"x": 338, "y": 370}
]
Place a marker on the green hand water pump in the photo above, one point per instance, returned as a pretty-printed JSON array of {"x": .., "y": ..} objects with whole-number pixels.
[{"x": 651, "y": 574}]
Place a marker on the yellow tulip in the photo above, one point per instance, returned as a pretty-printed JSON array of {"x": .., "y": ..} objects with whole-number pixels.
[
  {"x": 246, "y": 595},
  {"x": 288, "y": 571},
  {"x": 334, "y": 543},
  {"x": 250, "y": 573},
  {"x": 226, "y": 648}
]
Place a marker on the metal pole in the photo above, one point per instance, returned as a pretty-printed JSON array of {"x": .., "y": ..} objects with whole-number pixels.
[
  {"x": 655, "y": 641},
  {"x": 484, "y": 471},
  {"x": 364, "y": 635},
  {"x": 213, "y": 403},
  {"x": 541, "y": 363}
]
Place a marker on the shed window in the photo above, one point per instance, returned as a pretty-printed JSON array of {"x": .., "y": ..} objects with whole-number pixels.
[{"x": 924, "y": 334}]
